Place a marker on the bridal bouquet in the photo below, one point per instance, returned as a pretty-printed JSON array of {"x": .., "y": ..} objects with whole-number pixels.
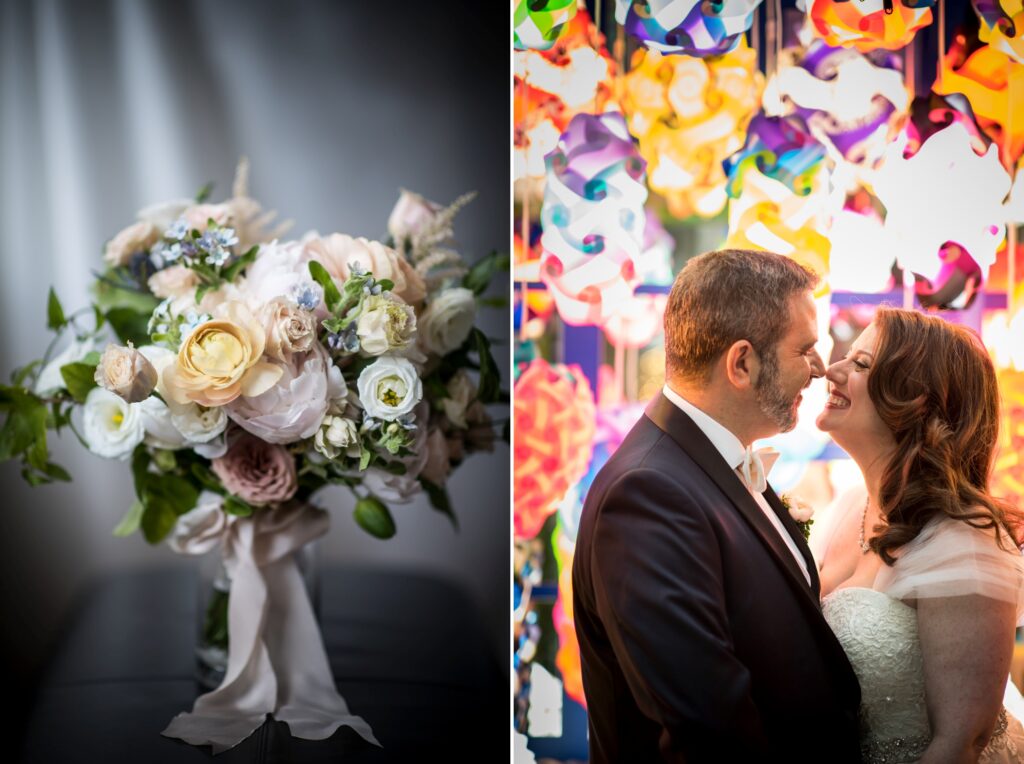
[
  {"x": 249, "y": 372},
  {"x": 261, "y": 369}
]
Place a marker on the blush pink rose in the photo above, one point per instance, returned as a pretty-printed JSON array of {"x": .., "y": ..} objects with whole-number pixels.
[{"x": 255, "y": 471}]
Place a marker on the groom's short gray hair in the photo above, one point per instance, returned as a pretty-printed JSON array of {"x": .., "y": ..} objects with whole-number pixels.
[{"x": 728, "y": 295}]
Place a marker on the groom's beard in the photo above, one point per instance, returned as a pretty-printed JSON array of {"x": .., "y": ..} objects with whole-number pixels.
[{"x": 773, "y": 400}]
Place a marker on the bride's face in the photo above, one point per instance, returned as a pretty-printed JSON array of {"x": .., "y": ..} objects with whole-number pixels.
[{"x": 850, "y": 415}]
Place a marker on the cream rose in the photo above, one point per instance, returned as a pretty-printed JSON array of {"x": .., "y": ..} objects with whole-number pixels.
[
  {"x": 174, "y": 282},
  {"x": 337, "y": 435},
  {"x": 447, "y": 321},
  {"x": 222, "y": 359},
  {"x": 384, "y": 324},
  {"x": 135, "y": 238},
  {"x": 289, "y": 329},
  {"x": 337, "y": 252},
  {"x": 110, "y": 425},
  {"x": 126, "y": 372},
  {"x": 461, "y": 392},
  {"x": 389, "y": 388}
]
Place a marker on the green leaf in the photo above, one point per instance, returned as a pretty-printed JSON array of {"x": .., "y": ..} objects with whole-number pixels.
[
  {"x": 494, "y": 302},
  {"x": 130, "y": 325},
  {"x": 25, "y": 424},
  {"x": 206, "y": 478},
  {"x": 480, "y": 275},
  {"x": 140, "y": 469},
  {"x": 439, "y": 500},
  {"x": 235, "y": 506},
  {"x": 490, "y": 381},
  {"x": 109, "y": 296},
  {"x": 365, "y": 457},
  {"x": 386, "y": 284},
  {"x": 131, "y": 521},
  {"x": 19, "y": 376},
  {"x": 176, "y": 492},
  {"x": 201, "y": 291},
  {"x": 204, "y": 193},
  {"x": 373, "y": 516},
  {"x": 320, "y": 275},
  {"x": 157, "y": 521},
  {"x": 98, "y": 315},
  {"x": 232, "y": 271},
  {"x": 54, "y": 312},
  {"x": 79, "y": 379},
  {"x": 57, "y": 472}
]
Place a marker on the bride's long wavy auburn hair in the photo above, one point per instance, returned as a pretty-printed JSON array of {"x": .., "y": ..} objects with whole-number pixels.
[{"x": 934, "y": 385}]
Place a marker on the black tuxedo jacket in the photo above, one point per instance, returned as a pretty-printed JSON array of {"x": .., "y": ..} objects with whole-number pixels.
[{"x": 699, "y": 636}]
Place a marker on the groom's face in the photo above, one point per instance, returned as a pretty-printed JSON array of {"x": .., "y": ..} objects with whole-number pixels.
[{"x": 788, "y": 368}]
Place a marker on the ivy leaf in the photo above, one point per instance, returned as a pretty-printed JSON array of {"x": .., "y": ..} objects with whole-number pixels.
[
  {"x": 365, "y": 457},
  {"x": 489, "y": 390},
  {"x": 157, "y": 521},
  {"x": 130, "y": 325},
  {"x": 79, "y": 378},
  {"x": 386, "y": 285},
  {"x": 480, "y": 275},
  {"x": 131, "y": 521},
  {"x": 54, "y": 312},
  {"x": 373, "y": 516},
  {"x": 439, "y": 500},
  {"x": 320, "y": 275}
]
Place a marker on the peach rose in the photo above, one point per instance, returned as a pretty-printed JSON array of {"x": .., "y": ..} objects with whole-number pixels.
[
  {"x": 175, "y": 281},
  {"x": 222, "y": 359},
  {"x": 135, "y": 238},
  {"x": 126, "y": 372},
  {"x": 337, "y": 251}
]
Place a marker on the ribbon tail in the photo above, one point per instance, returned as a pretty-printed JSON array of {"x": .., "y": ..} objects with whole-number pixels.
[
  {"x": 307, "y": 699},
  {"x": 227, "y": 715}
]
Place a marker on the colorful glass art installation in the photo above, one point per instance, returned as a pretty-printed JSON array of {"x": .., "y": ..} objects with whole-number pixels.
[
  {"x": 1002, "y": 26},
  {"x": 697, "y": 28},
  {"x": 780, "y": 148},
  {"x": 538, "y": 23},
  {"x": 869, "y": 24}
]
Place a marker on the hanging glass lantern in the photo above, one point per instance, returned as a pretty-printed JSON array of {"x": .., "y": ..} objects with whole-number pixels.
[{"x": 687, "y": 27}]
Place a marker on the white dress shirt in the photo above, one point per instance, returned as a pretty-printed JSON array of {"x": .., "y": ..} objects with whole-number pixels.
[{"x": 732, "y": 451}]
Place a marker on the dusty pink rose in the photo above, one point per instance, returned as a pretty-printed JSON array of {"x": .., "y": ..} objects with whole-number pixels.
[
  {"x": 135, "y": 238},
  {"x": 411, "y": 215},
  {"x": 337, "y": 251},
  {"x": 174, "y": 281},
  {"x": 255, "y": 471},
  {"x": 438, "y": 464}
]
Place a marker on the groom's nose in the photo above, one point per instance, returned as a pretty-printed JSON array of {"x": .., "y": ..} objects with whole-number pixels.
[{"x": 817, "y": 365}]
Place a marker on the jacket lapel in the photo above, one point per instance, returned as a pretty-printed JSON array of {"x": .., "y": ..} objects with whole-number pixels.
[
  {"x": 691, "y": 439},
  {"x": 798, "y": 538}
]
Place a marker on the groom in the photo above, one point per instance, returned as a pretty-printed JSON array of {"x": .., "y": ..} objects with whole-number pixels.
[{"x": 695, "y": 596}]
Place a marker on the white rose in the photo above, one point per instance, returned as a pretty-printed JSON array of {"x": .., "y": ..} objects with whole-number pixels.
[
  {"x": 412, "y": 214},
  {"x": 160, "y": 430},
  {"x": 384, "y": 324},
  {"x": 49, "y": 379},
  {"x": 126, "y": 372},
  {"x": 447, "y": 321},
  {"x": 461, "y": 392},
  {"x": 135, "y": 238},
  {"x": 196, "y": 423},
  {"x": 111, "y": 426},
  {"x": 337, "y": 434},
  {"x": 389, "y": 388},
  {"x": 800, "y": 510}
]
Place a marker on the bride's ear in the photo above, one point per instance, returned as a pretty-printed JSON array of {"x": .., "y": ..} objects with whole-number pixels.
[{"x": 741, "y": 364}]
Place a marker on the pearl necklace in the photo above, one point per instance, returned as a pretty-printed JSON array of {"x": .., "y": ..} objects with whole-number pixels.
[{"x": 864, "y": 547}]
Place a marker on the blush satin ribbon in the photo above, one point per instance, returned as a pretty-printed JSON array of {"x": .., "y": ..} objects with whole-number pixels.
[{"x": 276, "y": 662}]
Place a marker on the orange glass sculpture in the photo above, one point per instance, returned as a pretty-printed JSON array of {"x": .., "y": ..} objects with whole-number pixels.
[{"x": 869, "y": 24}]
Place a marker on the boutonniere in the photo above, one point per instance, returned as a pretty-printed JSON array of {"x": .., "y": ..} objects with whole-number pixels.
[{"x": 800, "y": 511}]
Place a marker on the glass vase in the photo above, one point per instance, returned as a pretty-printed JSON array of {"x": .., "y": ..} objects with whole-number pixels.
[{"x": 213, "y": 598}]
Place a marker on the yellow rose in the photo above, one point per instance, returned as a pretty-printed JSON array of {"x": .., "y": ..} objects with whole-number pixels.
[{"x": 221, "y": 359}]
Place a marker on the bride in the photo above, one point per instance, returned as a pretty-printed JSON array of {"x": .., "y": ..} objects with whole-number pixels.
[{"x": 922, "y": 579}]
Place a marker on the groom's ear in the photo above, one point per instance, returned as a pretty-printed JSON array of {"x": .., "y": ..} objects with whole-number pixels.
[{"x": 741, "y": 364}]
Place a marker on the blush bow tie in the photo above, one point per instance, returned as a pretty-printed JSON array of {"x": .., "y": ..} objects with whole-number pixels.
[{"x": 755, "y": 467}]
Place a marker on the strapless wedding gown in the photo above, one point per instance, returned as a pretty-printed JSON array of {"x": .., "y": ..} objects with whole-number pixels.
[{"x": 879, "y": 635}]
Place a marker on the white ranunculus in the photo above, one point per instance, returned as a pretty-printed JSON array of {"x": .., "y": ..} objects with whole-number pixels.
[
  {"x": 384, "y": 324},
  {"x": 447, "y": 321},
  {"x": 198, "y": 424},
  {"x": 294, "y": 407},
  {"x": 461, "y": 392},
  {"x": 160, "y": 430},
  {"x": 111, "y": 426},
  {"x": 49, "y": 379},
  {"x": 389, "y": 388},
  {"x": 337, "y": 435}
]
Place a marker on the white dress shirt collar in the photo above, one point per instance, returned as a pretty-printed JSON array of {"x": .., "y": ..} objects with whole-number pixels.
[{"x": 727, "y": 444}]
